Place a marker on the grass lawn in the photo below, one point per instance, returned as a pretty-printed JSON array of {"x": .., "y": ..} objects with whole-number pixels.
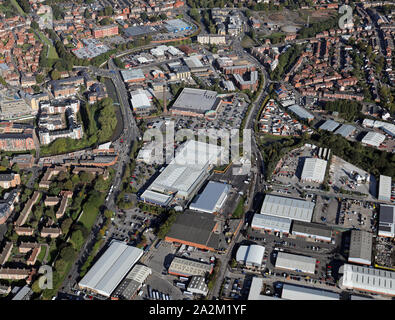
[
  {"x": 17, "y": 6},
  {"x": 239, "y": 209},
  {"x": 247, "y": 42},
  {"x": 52, "y": 54},
  {"x": 41, "y": 256},
  {"x": 88, "y": 219}
]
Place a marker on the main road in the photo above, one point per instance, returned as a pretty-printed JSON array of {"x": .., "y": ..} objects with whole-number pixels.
[{"x": 130, "y": 135}]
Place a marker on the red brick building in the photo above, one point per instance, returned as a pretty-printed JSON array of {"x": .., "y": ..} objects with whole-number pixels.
[{"x": 105, "y": 31}]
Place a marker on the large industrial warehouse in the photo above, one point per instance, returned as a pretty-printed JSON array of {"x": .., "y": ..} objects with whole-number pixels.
[
  {"x": 301, "y": 112},
  {"x": 212, "y": 198},
  {"x": 361, "y": 247},
  {"x": 294, "y": 262},
  {"x": 127, "y": 289},
  {"x": 313, "y": 170},
  {"x": 111, "y": 268},
  {"x": 329, "y": 125},
  {"x": 197, "y": 230},
  {"x": 195, "y": 102},
  {"x": 385, "y": 188},
  {"x": 271, "y": 223},
  {"x": 283, "y": 207},
  {"x": 185, "y": 174},
  {"x": 374, "y": 139},
  {"x": 386, "y": 221},
  {"x": 294, "y": 292},
  {"x": 312, "y": 230},
  {"x": 187, "y": 268},
  {"x": 367, "y": 279},
  {"x": 251, "y": 255}
]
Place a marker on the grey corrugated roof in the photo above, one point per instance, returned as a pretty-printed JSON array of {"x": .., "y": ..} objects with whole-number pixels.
[
  {"x": 295, "y": 209},
  {"x": 111, "y": 268},
  {"x": 345, "y": 130},
  {"x": 329, "y": 125},
  {"x": 213, "y": 193},
  {"x": 294, "y": 292},
  {"x": 312, "y": 228}
]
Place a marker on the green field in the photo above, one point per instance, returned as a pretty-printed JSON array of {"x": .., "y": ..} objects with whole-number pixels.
[
  {"x": 41, "y": 256},
  {"x": 52, "y": 54},
  {"x": 17, "y": 6},
  {"x": 238, "y": 213}
]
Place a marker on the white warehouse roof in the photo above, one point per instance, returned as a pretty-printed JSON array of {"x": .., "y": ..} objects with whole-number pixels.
[
  {"x": 251, "y": 255},
  {"x": 111, "y": 268},
  {"x": 314, "y": 170},
  {"x": 212, "y": 197},
  {"x": 385, "y": 188},
  {"x": 295, "y": 209},
  {"x": 156, "y": 197},
  {"x": 373, "y": 138},
  {"x": 256, "y": 291},
  {"x": 301, "y": 112},
  {"x": 188, "y": 169},
  {"x": 266, "y": 222},
  {"x": 140, "y": 100},
  {"x": 295, "y": 262},
  {"x": 368, "y": 279},
  {"x": 294, "y": 292}
]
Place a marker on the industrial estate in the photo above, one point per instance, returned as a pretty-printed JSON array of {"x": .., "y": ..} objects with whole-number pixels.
[{"x": 197, "y": 150}]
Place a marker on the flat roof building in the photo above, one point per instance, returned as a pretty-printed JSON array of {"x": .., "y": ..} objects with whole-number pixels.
[
  {"x": 386, "y": 221},
  {"x": 133, "y": 75},
  {"x": 176, "y": 25},
  {"x": 360, "y": 247},
  {"x": 295, "y": 292},
  {"x": 140, "y": 102},
  {"x": 251, "y": 255},
  {"x": 187, "y": 268},
  {"x": 186, "y": 173},
  {"x": 256, "y": 289},
  {"x": 289, "y": 208},
  {"x": 127, "y": 289},
  {"x": 385, "y": 188},
  {"x": 367, "y": 279},
  {"x": 195, "y": 102},
  {"x": 212, "y": 198},
  {"x": 271, "y": 223},
  {"x": 197, "y": 285},
  {"x": 197, "y": 230},
  {"x": 111, "y": 268},
  {"x": 314, "y": 170},
  {"x": 301, "y": 112},
  {"x": 374, "y": 139},
  {"x": 294, "y": 262},
  {"x": 156, "y": 198},
  {"x": 312, "y": 230}
]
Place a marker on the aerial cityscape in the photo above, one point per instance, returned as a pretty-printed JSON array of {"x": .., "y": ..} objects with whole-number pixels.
[{"x": 197, "y": 150}]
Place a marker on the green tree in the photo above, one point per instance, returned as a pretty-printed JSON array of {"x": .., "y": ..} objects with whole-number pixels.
[
  {"x": 40, "y": 78},
  {"x": 68, "y": 253},
  {"x": 66, "y": 224},
  {"x": 34, "y": 25},
  {"x": 77, "y": 239},
  {"x": 55, "y": 75}
]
